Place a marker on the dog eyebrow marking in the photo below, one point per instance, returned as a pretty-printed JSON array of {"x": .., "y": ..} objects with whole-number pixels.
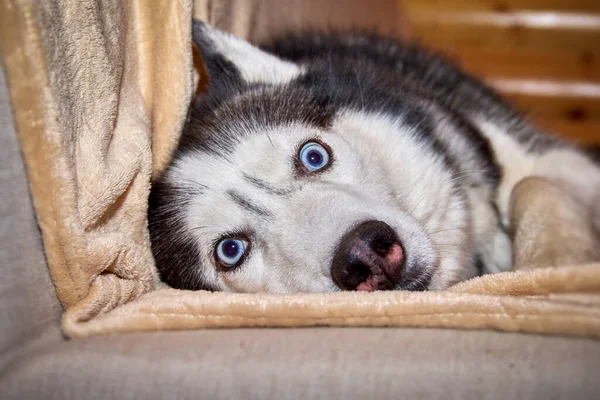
[
  {"x": 248, "y": 204},
  {"x": 266, "y": 186}
]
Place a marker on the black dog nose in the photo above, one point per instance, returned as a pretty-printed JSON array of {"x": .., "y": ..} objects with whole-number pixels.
[{"x": 369, "y": 257}]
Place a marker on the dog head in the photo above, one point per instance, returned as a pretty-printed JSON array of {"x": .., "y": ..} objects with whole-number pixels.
[{"x": 302, "y": 178}]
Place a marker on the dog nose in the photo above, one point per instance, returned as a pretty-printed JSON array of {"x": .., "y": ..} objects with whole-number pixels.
[{"x": 369, "y": 257}]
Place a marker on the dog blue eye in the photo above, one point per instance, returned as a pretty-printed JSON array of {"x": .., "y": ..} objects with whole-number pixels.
[
  {"x": 230, "y": 251},
  {"x": 314, "y": 156}
]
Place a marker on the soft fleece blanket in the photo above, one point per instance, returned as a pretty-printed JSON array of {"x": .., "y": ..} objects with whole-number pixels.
[{"x": 100, "y": 93}]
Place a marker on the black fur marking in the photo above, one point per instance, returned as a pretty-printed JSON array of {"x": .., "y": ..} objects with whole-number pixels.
[
  {"x": 266, "y": 186},
  {"x": 479, "y": 264},
  {"x": 224, "y": 76},
  {"x": 248, "y": 204},
  {"x": 216, "y": 126},
  {"x": 415, "y": 70},
  {"x": 481, "y": 146},
  {"x": 176, "y": 254},
  {"x": 503, "y": 228}
]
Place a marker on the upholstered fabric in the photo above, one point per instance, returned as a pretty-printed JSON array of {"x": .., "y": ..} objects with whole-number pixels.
[
  {"x": 100, "y": 94},
  {"x": 28, "y": 303},
  {"x": 311, "y": 363}
]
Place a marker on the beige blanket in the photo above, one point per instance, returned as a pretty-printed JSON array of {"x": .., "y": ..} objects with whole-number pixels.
[{"x": 100, "y": 94}]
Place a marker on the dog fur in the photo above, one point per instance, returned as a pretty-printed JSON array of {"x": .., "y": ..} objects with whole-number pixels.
[{"x": 414, "y": 142}]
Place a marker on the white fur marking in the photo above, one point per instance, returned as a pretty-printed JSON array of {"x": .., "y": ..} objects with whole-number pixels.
[{"x": 254, "y": 64}]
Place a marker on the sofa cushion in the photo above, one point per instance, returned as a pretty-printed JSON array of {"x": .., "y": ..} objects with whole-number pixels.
[
  {"x": 28, "y": 303},
  {"x": 309, "y": 363}
]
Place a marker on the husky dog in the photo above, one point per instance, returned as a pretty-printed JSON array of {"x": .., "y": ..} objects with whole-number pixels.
[{"x": 325, "y": 162}]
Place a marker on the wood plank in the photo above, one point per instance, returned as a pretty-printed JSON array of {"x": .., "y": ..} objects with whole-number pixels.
[
  {"x": 544, "y": 55},
  {"x": 500, "y": 5},
  {"x": 519, "y": 64},
  {"x": 448, "y": 34},
  {"x": 585, "y": 133},
  {"x": 573, "y": 109}
]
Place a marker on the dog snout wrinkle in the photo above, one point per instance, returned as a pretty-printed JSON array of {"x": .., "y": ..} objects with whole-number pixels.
[{"x": 369, "y": 257}]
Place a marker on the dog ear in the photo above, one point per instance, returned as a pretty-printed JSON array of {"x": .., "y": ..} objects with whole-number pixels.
[{"x": 231, "y": 62}]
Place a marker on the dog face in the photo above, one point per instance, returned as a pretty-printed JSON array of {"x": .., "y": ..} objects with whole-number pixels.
[{"x": 281, "y": 187}]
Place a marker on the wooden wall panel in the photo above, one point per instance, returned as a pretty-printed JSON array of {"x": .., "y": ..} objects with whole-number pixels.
[
  {"x": 548, "y": 50},
  {"x": 585, "y": 6}
]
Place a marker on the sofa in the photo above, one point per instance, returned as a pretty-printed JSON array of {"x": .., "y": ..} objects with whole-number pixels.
[{"x": 38, "y": 362}]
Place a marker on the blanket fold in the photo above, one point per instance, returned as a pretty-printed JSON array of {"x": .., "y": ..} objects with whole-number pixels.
[
  {"x": 523, "y": 301},
  {"x": 100, "y": 95}
]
